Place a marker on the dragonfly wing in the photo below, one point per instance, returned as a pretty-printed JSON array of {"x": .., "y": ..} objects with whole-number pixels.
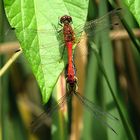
[
  {"x": 48, "y": 33},
  {"x": 95, "y": 26},
  {"x": 51, "y": 52},
  {"x": 42, "y": 118},
  {"x": 33, "y": 30},
  {"x": 96, "y": 108},
  {"x": 96, "y": 111}
]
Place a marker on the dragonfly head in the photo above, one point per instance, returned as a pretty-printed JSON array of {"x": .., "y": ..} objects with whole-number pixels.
[{"x": 65, "y": 19}]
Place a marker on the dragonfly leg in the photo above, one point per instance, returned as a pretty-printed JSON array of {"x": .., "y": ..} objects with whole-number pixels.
[{"x": 63, "y": 52}]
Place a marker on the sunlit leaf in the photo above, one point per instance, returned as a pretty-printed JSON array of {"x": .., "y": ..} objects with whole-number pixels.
[
  {"x": 43, "y": 15},
  {"x": 134, "y": 8}
]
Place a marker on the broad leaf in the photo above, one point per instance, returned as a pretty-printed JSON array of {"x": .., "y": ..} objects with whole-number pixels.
[
  {"x": 36, "y": 25},
  {"x": 134, "y": 8}
]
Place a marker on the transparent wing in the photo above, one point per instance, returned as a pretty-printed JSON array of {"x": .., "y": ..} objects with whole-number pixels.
[
  {"x": 94, "y": 26},
  {"x": 45, "y": 115},
  {"x": 96, "y": 111}
]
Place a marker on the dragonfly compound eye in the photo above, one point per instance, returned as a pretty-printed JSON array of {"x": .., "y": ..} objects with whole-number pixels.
[{"x": 65, "y": 19}]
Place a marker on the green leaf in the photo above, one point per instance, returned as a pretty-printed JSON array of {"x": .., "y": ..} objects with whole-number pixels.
[
  {"x": 133, "y": 6},
  {"x": 36, "y": 24}
]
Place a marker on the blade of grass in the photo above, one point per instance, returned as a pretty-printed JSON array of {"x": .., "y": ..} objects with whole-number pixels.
[
  {"x": 4, "y": 104},
  {"x": 90, "y": 93},
  {"x": 107, "y": 60},
  {"x": 17, "y": 126},
  {"x": 128, "y": 130},
  {"x": 131, "y": 34},
  {"x": 4, "y": 108},
  {"x": 92, "y": 128},
  {"x": 60, "y": 121},
  {"x": 9, "y": 63}
]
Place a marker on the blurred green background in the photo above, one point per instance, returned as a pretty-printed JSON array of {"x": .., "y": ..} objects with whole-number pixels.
[{"x": 20, "y": 98}]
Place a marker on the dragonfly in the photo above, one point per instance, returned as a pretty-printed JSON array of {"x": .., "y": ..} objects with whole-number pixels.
[{"x": 70, "y": 74}]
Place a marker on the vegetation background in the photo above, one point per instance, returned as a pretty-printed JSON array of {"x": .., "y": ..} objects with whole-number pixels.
[{"x": 116, "y": 90}]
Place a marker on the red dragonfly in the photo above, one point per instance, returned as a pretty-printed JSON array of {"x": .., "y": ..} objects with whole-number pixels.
[
  {"x": 71, "y": 79},
  {"x": 69, "y": 39}
]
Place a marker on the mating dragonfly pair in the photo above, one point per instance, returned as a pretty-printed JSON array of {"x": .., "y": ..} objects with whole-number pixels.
[{"x": 69, "y": 40}]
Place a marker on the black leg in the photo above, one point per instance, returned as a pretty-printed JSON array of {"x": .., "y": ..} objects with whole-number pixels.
[{"x": 63, "y": 52}]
